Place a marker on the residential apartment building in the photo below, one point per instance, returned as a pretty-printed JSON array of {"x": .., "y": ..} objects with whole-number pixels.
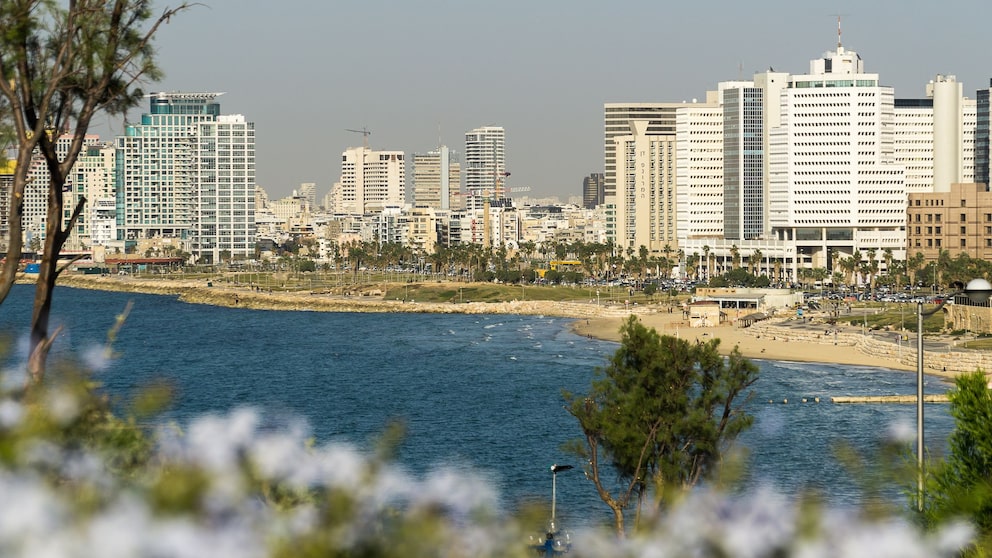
[
  {"x": 35, "y": 210},
  {"x": 187, "y": 172},
  {"x": 958, "y": 221},
  {"x": 485, "y": 162},
  {"x": 93, "y": 176},
  {"x": 370, "y": 181}
]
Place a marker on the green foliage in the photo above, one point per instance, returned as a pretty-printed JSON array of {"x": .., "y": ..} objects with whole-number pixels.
[
  {"x": 662, "y": 412},
  {"x": 738, "y": 277},
  {"x": 960, "y": 486},
  {"x": 650, "y": 289}
]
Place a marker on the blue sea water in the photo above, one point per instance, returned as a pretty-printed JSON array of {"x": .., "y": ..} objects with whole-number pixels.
[{"x": 474, "y": 391}]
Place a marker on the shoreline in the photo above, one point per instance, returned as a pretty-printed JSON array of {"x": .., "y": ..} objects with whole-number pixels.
[{"x": 781, "y": 339}]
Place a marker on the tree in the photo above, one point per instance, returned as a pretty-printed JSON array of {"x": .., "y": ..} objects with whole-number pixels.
[
  {"x": 661, "y": 413},
  {"x": 961, "y": 484},
  {"x": 61, "y": 63}
]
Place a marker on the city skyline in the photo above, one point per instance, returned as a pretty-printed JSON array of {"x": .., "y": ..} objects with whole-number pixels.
[{"x": 421, "y": 74}]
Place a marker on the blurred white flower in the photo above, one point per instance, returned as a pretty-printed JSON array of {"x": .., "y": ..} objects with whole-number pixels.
[
  {"x": 901, "y": 431},
  {"x": 10, "y": 413}
]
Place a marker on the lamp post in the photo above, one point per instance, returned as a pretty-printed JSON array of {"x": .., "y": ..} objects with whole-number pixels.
[
  {"x": 554, "y": 489},
  {"x": 978, "y": 291}
]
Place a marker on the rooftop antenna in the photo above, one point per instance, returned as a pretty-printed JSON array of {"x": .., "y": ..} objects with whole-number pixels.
[
  {"x": 365, "y": 135},
  {"x": 839, "y": 44}
]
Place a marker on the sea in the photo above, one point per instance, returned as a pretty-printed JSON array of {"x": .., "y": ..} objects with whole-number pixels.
[{"x": 480, "y": 393}]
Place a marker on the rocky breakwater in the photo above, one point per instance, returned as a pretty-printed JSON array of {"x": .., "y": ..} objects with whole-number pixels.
[{"x": 202, "y": 291}]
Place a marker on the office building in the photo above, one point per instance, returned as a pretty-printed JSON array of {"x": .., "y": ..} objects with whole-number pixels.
[
  {"x": 699, "y": 169},
  {"x": 437, "y": 179},
  {"x": 958, "y": 221},
  {"x": 834, "y": 185},
  {"x": 593, "y": 190}
]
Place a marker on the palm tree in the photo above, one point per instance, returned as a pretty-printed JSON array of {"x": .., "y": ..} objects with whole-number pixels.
[
  {"x": 755, "y": 262},
  {"x": 706, "y": 258},
  {"x": 735, "y": 256}
]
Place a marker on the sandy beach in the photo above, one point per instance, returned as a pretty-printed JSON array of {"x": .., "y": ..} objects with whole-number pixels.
[{"x": 786, "y": 339}]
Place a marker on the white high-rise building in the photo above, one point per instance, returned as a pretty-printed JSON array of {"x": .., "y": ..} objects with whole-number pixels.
[
  {"x": 186, "y": 172},
  {"x": 485, "y": 162},
  {"x": 834, "y": 182},
  {"x": 370, "y": 181},
  {"x": 699, "y": 169}
]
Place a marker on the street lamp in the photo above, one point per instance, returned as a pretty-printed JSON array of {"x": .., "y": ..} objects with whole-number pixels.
[
  {"x": 552, "y": 527},
  {"x": 978, "y": 291}
]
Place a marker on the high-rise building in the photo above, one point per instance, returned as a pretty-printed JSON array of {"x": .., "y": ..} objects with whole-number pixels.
[
  {"x": 437, "y": 179},
  {"x": 834, "y": 184},
  {"x": 699, "y": 169},
  {"x": 982, "y": 135},
  {"x": 645, "y": 205},
  {"x": 617, "y": 118},
  {"x": 308, "y": 191},
  {"x": 93, "y": 177},
  {"x": 370, "y": 181},
  {"x": 34, "y": 214},
  {"x": 593, "y": 190},
  {"x": 485, "y": 162},
  {"x": 187, "y": 172}
]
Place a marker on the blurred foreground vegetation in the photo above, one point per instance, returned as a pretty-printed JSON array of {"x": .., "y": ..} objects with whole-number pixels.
[{"x": 80, "y": 480}]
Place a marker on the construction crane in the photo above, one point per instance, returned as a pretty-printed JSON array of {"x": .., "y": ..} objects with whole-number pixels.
[{"x": 365, "y": 135}]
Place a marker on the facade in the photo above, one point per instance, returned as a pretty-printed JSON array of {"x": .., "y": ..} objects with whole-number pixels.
[
  {"x": 437, "y": 179},
  {"x": 958, "y": 221},
  {"x": 224, "y": 206},
  {"x": 914, "y": 142},
  {"x": 370, "y": 181},
  {"x": 485, "y": 162},
  {"x": 593, "y": 192}
]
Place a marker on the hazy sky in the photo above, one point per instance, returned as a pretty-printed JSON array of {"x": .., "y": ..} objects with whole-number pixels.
[{"x": 304, "y": 71}]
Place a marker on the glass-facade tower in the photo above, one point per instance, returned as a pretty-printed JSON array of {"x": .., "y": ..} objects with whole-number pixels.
[{"x": 743, "y": 156}]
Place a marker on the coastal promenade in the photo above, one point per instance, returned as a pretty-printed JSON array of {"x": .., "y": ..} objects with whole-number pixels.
[{"x": 787, "y": 339}]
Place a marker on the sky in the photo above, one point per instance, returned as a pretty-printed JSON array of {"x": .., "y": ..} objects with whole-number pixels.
[{"x": 414, "y": 72}]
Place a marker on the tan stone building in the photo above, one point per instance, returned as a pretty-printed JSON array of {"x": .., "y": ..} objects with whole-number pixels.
[{"x": 959, "y": 221}]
